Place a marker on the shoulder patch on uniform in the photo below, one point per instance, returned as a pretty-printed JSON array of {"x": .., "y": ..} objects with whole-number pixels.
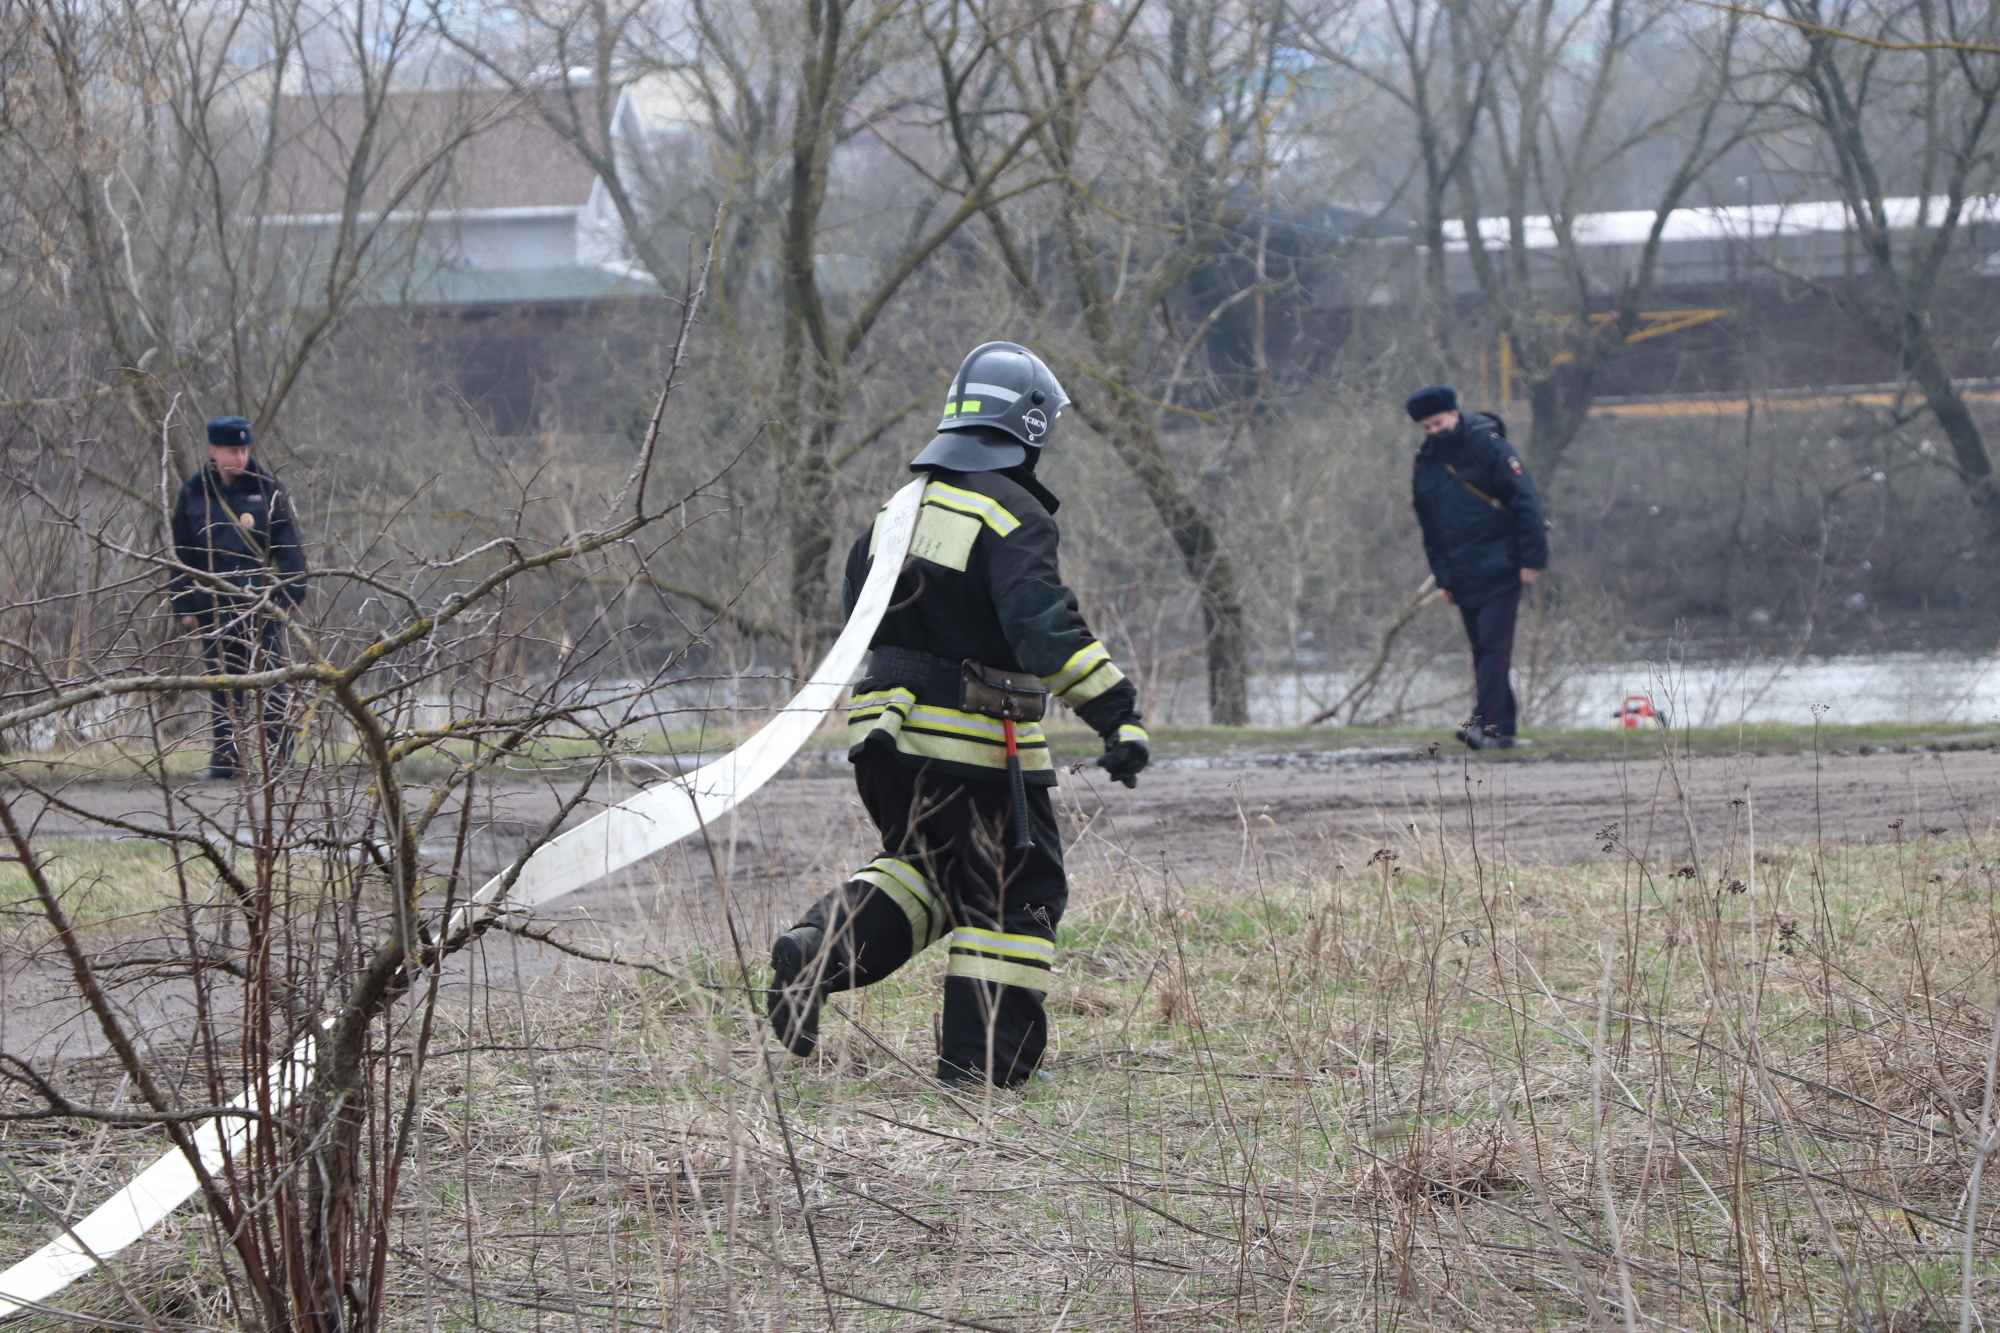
[
  {"x": 945, "y": 537},
  {"x": 1513, "y": 465}
]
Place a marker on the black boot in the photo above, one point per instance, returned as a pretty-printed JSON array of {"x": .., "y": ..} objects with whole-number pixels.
[{"x": 794, "y": 1005}]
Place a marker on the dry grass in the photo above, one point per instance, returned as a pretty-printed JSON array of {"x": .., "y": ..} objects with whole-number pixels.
[
  {"x": 101, "y": 881},
  {"x": 1343, "y": 1087}
]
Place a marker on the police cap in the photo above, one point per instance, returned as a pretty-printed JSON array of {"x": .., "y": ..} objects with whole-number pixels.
[{"x": 229, "y": 433}]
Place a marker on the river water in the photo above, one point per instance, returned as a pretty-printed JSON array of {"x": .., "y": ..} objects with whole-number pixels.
[
  {"x": 1844, "y": 690},
  {"x": 1931, "y": 686}
]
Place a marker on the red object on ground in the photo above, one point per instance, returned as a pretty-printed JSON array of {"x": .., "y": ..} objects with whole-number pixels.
[{"x": 1637, "y": 711}]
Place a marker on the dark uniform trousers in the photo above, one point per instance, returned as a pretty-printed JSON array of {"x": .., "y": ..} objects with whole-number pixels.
[
  {"x": 1490, "y": 627},
  {"x": 235, "y": 643},
  {"x": 946, "y": 873}
]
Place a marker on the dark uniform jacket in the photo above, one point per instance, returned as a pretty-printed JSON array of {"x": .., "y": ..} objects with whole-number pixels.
[
  {"x": 243, "y": 531},
  {"x": 981, "y": 584},
  {"x": 1478, "y": 543}
]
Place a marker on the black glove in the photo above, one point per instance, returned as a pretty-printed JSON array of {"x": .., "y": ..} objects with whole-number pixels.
[{"x": 1126, "y": 755}]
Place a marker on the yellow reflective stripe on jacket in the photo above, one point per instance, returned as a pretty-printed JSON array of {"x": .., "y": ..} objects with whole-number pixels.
[
  {"x": 931, "y": 732},
  {"x": 906, "y": 888},
  {"x": 1097, "y": 682},
  {"x": 1088, "y": 673},
  {"x": 972, "y": 738},
  {"x": 1012, "y": 960},
  {"x": 960, "y": 723},
  {"x": 878, "y": 710},
  {"x": 1132, "y": 731},
  {"x": 982, "y": 507},
  {"x": 897, "y": 700},
  {"x": 1080, "y": 664},
  {"x": 958, "y": 748}
]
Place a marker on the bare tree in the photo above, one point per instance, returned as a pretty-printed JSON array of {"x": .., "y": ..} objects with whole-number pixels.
[
  {"x": 309, "y": 908},
  {"x": 1900, "y": 98},
  {"x": 164, "y": 177},
  {"x": 795, "y": 93},
  {"x": 1445, "y": 51},
  {"x": 1529, "y": 113},
  {"x": 1564, "y": 114},
  {"x": 1158, "y": 169}
]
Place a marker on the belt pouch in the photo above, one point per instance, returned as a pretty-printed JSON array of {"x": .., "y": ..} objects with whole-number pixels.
[{"x": 1013, "y": 695}]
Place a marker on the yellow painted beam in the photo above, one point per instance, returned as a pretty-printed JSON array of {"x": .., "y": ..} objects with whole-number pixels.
[
  {"x": 1652, "y": 324},
  {"x": 1724, "y": 407},
  {"x": 1662, "y": 322}
]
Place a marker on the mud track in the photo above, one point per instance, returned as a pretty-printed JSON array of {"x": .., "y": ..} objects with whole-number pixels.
[
  {"x": 1202, "y": 819},
  {"x": 1191, "y": 823}
]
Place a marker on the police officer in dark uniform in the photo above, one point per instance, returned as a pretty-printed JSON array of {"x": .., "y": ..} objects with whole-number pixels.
[
  {"x": 980, "y": 597},
  {"x": 1486, "y": 538},
  {"x": 234, "y": 523}
]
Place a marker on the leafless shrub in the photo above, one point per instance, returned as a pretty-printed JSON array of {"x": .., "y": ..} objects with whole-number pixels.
[{"x": 309, "y": 910}]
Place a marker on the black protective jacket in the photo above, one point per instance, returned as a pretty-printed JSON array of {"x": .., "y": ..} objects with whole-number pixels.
[
  {"x": 244, "y": 532},
  {"x": 1481, "y": 516},
  {"x": 981, "y": 584}
]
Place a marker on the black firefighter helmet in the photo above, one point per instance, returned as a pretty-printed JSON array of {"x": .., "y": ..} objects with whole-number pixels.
[{"x": 1004, "y": 401}]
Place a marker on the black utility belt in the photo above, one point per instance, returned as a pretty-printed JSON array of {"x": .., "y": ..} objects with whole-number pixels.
[{"x": 965, "y": 685}]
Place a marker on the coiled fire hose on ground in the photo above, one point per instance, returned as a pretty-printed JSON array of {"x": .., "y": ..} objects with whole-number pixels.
[{"x": 648, "y": 822}]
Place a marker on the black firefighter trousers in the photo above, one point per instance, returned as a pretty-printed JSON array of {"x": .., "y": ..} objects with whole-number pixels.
[{"x": 945, "y": 872}]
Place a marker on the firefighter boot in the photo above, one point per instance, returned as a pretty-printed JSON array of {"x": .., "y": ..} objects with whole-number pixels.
[{"x": 794, "y": 996}]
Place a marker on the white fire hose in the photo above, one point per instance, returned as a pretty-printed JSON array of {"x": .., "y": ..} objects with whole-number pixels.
[{"x": 653, "y": 819}]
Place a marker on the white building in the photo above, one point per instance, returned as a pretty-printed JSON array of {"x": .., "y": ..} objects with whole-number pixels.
[{"x": 506, "y": 208}]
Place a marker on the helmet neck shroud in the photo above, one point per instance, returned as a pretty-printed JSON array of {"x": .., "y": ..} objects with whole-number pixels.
[
  {"x": 984, "y": 449},
  {"x": 987, "y": 450}
]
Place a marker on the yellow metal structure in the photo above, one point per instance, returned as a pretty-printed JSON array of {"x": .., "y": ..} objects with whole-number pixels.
[{"x": 1652, "y": 324}]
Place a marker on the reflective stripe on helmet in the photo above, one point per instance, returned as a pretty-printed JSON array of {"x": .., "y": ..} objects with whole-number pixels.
[{"x": 1005, "y": 386}]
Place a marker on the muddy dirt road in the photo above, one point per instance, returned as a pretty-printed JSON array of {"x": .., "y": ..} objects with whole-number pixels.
[
  {"x": 1202, "y": 819},
  {"x": 1190, "y": 823}
]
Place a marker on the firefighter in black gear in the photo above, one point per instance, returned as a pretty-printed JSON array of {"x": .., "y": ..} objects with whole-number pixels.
[
  {"x": 1485, "y": 537},
  {"x": 981, "y": 586},
  {"x": 235, "y": 524}
]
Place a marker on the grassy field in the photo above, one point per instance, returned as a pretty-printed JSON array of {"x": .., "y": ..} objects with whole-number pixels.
[
  {"x": 1353, "y": 1086},
  {"x": 101, "y": 881}
]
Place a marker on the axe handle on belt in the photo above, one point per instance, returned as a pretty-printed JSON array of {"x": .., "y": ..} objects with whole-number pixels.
[{"x": 1017, "y": 789}]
